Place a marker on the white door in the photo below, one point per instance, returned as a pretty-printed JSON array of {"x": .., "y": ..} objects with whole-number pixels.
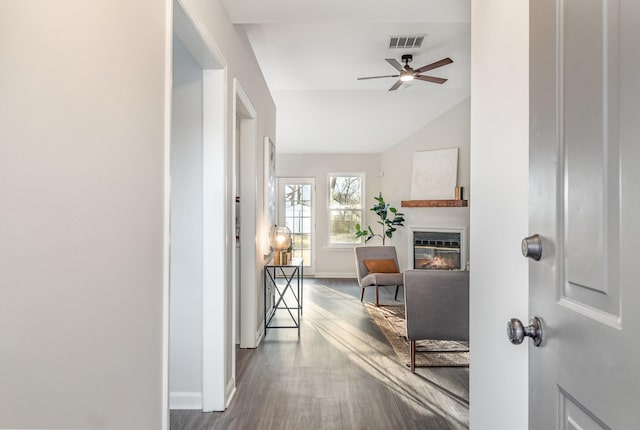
[
  {"x": 584, "y": 203},
  {"x": 296, "y": 208}
]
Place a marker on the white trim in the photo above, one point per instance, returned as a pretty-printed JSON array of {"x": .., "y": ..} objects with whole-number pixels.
[
  {"x": 336, "y": 275},
  {"x": 197, "y": 39},
  {"x": 166, "y": 208},
  {"x": 342, "y": 247},
  {"x": 309, "y": 266},
  {"x": 230, "y": 391},
  {"x": 363, "y": 216},
  {"x": 185, "y": 400},
  {"x": 260, "y": 334},
  {"x": 239, "y": 92},
  {"x": 249, "y": 210},
  {"x": 214, "y": 205},
  {"x": 214, "y": 201}
]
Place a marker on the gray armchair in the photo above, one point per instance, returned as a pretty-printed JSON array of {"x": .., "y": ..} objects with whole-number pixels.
[
  {"x": 368, "y": 278},
  {"x": 436, "y": 306}
]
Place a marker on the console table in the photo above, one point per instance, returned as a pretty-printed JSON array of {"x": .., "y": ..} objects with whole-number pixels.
[{"x": 285, "y": 283}]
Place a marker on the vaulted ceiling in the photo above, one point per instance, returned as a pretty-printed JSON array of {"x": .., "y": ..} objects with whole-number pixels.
[{"x": 312, "y": 52}]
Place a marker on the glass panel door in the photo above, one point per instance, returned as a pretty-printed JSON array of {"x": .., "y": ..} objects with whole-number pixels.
[{"x": 296, "y": 211}]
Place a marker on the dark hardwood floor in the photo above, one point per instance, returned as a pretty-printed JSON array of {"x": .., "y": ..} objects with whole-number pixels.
[{"x": 340, "y": 374}]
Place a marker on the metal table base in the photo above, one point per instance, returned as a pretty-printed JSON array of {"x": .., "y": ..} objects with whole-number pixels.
[{"x": 287, "y": 293}]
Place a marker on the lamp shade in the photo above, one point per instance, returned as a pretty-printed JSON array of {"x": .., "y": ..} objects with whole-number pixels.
[{"x": 280, "y": 238}]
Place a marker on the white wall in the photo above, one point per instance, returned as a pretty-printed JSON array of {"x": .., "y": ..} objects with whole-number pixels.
[
  {"x": 333, "y": 262},
  {"x": 83, "y": 124},
  {"x": 450, "y": 130},
  {"x": 185, "y": 359},
  {"x": 81, "y": 232},
  {"x": 499, "y": 178}
]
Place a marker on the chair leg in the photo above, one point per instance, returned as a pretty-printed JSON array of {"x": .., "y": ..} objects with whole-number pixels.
[
  {"x": 413, "y": 355},
  {"x": 397, "y": 288},
  {"x": 362, "y": 294},
  {"x": 377, "y": 297}
]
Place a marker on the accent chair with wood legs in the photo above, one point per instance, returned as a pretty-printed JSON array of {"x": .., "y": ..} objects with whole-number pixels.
[
  {"x": 436, "y": 306},
  {"x": 377, "y": 266}
]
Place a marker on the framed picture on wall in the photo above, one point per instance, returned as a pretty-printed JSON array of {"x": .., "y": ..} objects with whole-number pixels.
[
  {"x": 435, "y": 174},
  {"x": 269, "y": 190}
]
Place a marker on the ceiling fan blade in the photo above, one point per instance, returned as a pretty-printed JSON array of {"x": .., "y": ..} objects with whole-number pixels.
[
  {"x": 376, "y": 77},
  {"x": 394, "y": 63},
  {"x": 396, "y": 85},
  {"x": 431, "y": 79},
  {"x": 435, "y": 65}
]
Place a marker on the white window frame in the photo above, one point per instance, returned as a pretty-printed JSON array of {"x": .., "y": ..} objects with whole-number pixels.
[
  {"x": 344, "y": 245},
  {"x": 309, "y": 266}
]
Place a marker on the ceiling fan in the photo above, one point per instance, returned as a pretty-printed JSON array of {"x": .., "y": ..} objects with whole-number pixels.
[{"x": 407, "y": 73}]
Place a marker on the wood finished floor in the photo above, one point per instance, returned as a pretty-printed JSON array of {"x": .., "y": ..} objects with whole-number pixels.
[{"x": 340, "y": 374}]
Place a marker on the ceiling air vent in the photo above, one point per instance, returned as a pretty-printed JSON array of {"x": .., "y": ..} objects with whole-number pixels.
[{"x": 406, "y": 41}]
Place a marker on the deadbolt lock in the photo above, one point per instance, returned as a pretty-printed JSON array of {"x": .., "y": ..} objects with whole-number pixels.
[{"x": 532, "y": 247}]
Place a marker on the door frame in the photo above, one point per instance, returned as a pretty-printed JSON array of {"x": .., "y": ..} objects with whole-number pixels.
[
  {"x": 310, "y": 269},
  {"x": 499, "y": 152},
  {"x": 195, "y": 38},
  {"x": 247, "y": 190}
]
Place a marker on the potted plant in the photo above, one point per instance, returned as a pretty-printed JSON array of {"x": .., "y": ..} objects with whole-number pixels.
[{"x": 390, "y": 218}]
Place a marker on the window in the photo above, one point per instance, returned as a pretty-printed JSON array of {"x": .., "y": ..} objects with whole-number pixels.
[
  {"x": 296, "y": 211},
  {"x": 345, "y": 208}
]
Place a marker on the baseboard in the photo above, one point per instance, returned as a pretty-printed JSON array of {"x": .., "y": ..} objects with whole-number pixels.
[
  {"x": 335, "y": 275},
  {"x": 260, "y": 334},
  {"x": 185, "y": 400},
  {"x": 229, "y": 392}
]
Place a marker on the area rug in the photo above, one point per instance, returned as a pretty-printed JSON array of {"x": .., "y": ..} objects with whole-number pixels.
[{"x": 429, "y": 353}]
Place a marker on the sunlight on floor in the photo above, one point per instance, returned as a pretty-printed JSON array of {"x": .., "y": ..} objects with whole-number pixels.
[{"x": 372, "y": 355}]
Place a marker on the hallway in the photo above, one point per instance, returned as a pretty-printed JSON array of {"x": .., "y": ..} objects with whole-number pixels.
[{"x": 340, "y": 374}]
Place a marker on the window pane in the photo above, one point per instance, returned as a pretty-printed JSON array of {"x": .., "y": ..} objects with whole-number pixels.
[
  {"x": 343, "y": 226},
  {"x": 306, "y": 210},
  {"x": 345, "y": 208},
  {"x": 299, "y": 209},
  {"x": 298, "y": 216},
  {"x": 345, "y": 192},
  {"x": 306, "y": 224},
  {"x": 296, "y": 241},
  {"x": 292, "y": 225},
  {"x": 306, "y": 241},
  {"x": 306, "y": 192},
  {"x": 298, "y": 224}
]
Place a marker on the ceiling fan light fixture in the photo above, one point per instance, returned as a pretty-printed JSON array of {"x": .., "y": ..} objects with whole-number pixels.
[
  {"x": 406, "y": 77},
  {"x": 407, "y": 73}
]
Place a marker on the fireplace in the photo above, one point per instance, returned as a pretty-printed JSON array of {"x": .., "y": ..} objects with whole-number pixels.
[{"x": 438, "y": 249}]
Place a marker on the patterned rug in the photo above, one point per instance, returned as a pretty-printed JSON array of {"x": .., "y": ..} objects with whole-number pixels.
[{"x": 429, "y": 353}]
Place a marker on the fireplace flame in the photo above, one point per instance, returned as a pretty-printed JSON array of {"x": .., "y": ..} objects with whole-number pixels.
[
  {"x": 437, "y": 262},
  {"x": 440, "y": 263}
]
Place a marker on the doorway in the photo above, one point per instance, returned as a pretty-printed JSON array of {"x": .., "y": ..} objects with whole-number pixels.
[
  {"x": 296, "y": 210},
  {"x": 198, "y": 368},
  {"x": 245, "y": 156}
]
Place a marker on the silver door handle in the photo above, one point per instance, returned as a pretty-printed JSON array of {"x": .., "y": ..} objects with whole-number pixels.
[
  {"x": 532, "y": 247},
  {"x": 516, "y": 332}
]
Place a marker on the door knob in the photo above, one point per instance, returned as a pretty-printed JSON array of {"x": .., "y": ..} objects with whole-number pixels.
[
  {"x": 516, "y": 332},
  {"x": 532, "y": 247}
]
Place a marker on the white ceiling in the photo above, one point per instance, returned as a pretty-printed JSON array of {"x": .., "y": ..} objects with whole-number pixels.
[{"x": 312, "y": 52}]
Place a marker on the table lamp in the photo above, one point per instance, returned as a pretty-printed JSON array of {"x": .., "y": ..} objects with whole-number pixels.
[{"x": 280, "y": 240}]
